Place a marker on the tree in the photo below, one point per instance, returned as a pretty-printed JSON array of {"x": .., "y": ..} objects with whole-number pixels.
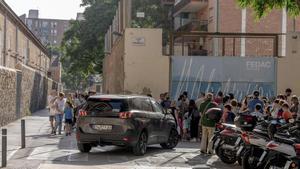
[
  {"x": 263, "y": 7},
  {"x": 83, "y": 43}
]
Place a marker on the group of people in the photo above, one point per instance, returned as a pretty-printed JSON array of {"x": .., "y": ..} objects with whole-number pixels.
[
  {"x": 194, "y": 124},
  {"x": 63, "y": 108}
]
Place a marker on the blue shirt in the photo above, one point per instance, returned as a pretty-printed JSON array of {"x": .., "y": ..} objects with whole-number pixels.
[
  {"x": 253, "y": 103},
  {"x": 68, "y": 113}
]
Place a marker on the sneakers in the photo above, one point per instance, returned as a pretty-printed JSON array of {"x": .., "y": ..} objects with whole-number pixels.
[{"x": 194, "y": 140}]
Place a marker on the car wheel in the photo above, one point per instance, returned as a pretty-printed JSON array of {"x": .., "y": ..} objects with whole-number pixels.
[
  {"x": 141, "y": 146},
  {"x": 172, "y": 141},
  {"x": 84, "y": 148}
]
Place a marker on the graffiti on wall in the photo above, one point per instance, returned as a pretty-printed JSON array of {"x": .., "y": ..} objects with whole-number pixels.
[{"x": 240, "y": 76}]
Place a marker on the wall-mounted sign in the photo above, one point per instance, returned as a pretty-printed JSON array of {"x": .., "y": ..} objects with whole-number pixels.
[
  {"x": 140, "y": 14},
  {"x": 138, "y": 41}
]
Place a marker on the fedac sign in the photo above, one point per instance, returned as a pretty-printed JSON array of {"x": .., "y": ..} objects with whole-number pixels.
[{"x": 237, "y": 75}]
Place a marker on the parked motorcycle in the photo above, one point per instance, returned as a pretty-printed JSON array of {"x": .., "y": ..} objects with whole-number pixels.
[
  {"x": 226, "y": 143},
  {"x": 258, "y": 142},
  {"x": 284, "y": 149}
]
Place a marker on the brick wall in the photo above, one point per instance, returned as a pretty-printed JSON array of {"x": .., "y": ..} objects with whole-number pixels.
[
  {"x": 34, "y": 89},
  {"x": 8, "y": 95}
]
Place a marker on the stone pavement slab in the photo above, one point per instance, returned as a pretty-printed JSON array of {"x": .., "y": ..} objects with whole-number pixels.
[
  {"x": 45, "y": 151},
  {"x": 57, "y": 166},
  {"x": 35, "y": 125}
]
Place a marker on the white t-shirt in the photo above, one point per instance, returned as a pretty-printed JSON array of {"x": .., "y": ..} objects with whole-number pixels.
[
  {"x": 60, "y": 106},
  {"x": 51, "y": 105}
]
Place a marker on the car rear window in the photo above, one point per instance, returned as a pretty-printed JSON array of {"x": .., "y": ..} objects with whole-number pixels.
[{"x": 107, "y": 105}]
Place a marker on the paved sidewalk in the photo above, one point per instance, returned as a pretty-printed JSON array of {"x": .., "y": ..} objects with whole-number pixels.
[{"x": 35, "y": 125}]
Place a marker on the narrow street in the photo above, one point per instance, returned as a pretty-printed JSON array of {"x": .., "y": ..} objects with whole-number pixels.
[{"x": 50, "y": 152}]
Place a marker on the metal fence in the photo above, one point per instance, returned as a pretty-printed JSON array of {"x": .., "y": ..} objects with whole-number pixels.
[{"x": 237, "y": 75}]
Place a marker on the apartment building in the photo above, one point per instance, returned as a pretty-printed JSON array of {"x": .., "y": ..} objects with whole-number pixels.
[
  {"x": 49, "y": 31},
  {"x": 227, "y": 16}
]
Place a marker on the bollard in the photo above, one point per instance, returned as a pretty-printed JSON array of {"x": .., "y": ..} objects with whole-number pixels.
[
  {"x": 23, "y": 136},
  {"x": 4, "y": 148}
]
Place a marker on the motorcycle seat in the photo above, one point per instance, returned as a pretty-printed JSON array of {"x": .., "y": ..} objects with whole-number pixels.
[
  {"x": 261, "y": 133},
  {"x": 289, "y": 141}
]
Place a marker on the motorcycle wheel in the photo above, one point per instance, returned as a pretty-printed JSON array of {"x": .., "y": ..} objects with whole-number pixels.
[
  {"x": 250, "y": 160},
  {"x": 224, "y": 157}
]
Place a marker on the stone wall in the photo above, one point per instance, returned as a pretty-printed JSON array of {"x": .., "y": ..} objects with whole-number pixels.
[
  {"x": 8, "y": 96},
  {"x": 24, "y": 94}
]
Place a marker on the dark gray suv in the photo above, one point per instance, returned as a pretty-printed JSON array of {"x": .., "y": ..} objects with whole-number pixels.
[{"x": 130, "y": 121}]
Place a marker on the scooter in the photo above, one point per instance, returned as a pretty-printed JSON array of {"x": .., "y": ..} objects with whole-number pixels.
[
  {"x": 226, "y": 142},
  {"x": 284, "y": 150},
  {"x": 257, "y": 151}
]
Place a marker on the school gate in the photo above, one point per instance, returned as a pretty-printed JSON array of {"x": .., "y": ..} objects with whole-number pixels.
[{"x": 237, "y": 75}]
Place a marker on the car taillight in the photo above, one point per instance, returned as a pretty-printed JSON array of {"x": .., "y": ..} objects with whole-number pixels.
[
  {"x": 82, "y": 113},
  {"x": 245, "y": 137},
  {"x": 125, "y": 115},
  {"x": 297, "y": 148}
]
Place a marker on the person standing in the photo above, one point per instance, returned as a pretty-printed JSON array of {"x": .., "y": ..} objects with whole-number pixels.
[
  {"x": 200, "y": 99},
  {"x": 68, "y": 112},
  {"x": 286, "y": 115},
  {"x": 254, "y": 102},
  {"x": 52, "y": 109},
  {"x": 219, "y": 98},
  {"x": 228, "y": 116},
  {"x": 288, "y": 95},
  {"x": 208, "y": 125},
  {"x": 195, "y": 118},
  {"x": 295, "y": 108},
  {"x": 60, "y": 106}
]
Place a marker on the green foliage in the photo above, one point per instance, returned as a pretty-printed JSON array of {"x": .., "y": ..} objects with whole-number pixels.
[
  {"x": 156, "y": 16},
  {"x": 83, "y": 43},
  {"x": 263, "y": 7}
]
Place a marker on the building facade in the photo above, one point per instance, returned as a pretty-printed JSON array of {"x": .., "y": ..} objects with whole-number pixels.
[
  {"x": 24, "y": 64},
  {"x": 49, "y": 31},
  {"x": 221, "y": 28},
  {"x": 18, "y": 44},
  {"x": 227, "y": 16}
]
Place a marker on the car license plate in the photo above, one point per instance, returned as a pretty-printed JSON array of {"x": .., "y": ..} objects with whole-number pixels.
[
  {"x": 103, "y": 127},
  {"x": 217, "y": 142},
  {"x": 240, "y": 150}
]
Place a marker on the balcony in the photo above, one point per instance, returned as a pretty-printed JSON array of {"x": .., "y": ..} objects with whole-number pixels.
[
  {"x": 192, "y": 25},
  {"x": 189, "y": 6}
]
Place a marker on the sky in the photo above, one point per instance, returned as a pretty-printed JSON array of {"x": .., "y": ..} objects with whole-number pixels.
[{"x": 51, "y": 9}]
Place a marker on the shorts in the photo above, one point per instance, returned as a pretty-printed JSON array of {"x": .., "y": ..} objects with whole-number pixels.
[
  {"x": 51, "y": 118},
  {"x": 68, "y": 121}
]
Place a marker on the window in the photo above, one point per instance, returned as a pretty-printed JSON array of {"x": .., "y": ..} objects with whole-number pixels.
[
  {"x": 157, "y": 107},
  {"x": 107, "y": 105},
  {"x": 141, "y": 104},
  {"x": 53, "y": 24},
  {"x": 45, "y": 24},
  {"x": 29, "y": 22},
  {"x": 146, "y": 105}
]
